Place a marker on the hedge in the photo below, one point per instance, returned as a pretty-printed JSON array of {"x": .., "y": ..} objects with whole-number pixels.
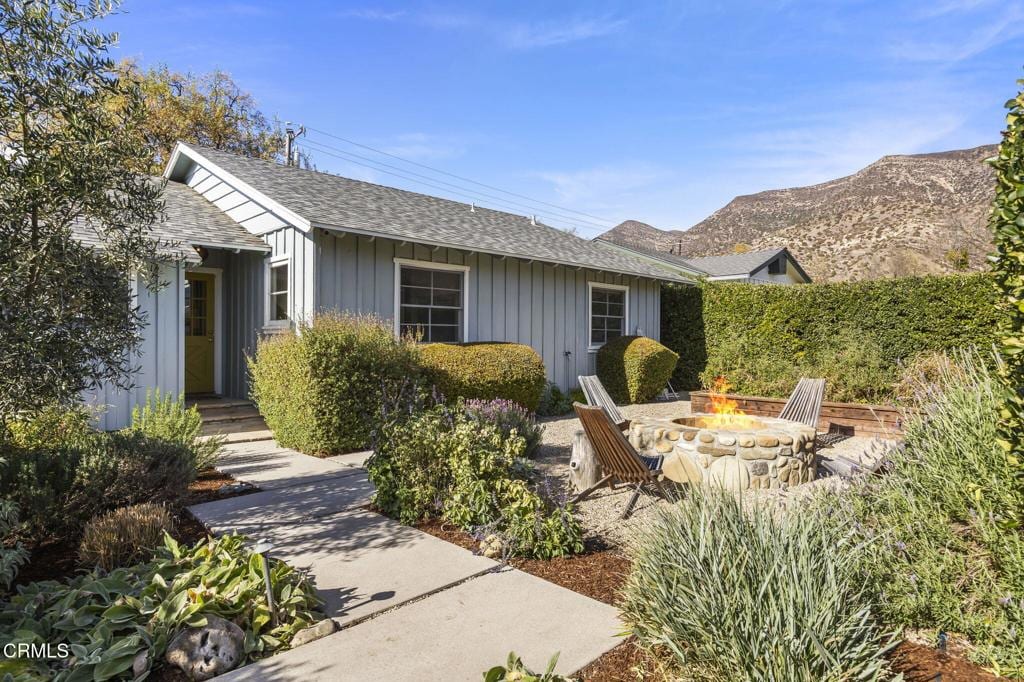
[
  {"x": 635, "y": 368},
  {"x": 322, "y": 391},
  {"x": 859, "y": 335},
  {"x": 486, "y": 370}
]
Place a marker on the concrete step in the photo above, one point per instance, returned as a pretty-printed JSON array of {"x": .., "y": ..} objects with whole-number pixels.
[
  {"x": 243, "y": 425},
  {"x": 228, "y": 414},
  {"x": 215, "y": 402},
  {"x": 244, "y": 436}
]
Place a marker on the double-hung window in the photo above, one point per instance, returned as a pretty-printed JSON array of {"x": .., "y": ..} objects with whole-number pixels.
[
  {"x": 277, "y": 292},
  {"x": 431, "y": 302},
  {"x": 608, "y": 313}
]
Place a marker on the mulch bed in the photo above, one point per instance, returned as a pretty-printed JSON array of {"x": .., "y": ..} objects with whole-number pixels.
[
  {"x": 56, "y": 559},
  {"x": 599, "y": 574}
]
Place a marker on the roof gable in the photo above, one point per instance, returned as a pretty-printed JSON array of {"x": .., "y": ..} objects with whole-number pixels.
[{"x": 313, "y": 199}]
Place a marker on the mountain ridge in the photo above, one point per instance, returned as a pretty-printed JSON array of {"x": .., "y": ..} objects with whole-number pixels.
[{"x": 901, "y": 215}]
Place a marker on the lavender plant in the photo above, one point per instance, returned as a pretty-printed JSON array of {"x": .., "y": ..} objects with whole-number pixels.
[{"x": 508, "y": 417}]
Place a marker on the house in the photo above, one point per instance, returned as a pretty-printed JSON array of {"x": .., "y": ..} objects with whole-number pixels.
[
  {"x": 268, "y": 246},
  {"x": 773, "y": 266}
]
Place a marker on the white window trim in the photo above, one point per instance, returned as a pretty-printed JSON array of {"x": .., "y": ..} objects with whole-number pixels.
[
  {"x": 430, "y": 265},
  {"x": 592, "y": 348},
  {"x": 267, "y": 300}
]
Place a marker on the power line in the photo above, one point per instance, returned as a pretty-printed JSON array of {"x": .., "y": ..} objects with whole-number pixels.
[
  {"x": 452, "y": 189},
  {"x": 457, "y": 177}
]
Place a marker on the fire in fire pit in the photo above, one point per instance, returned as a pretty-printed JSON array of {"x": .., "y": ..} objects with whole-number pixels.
[{"x": 730, "y": 448}]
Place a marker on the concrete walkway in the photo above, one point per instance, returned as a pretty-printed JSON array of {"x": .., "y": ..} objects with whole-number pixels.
[{"x": 409, "y": 605}]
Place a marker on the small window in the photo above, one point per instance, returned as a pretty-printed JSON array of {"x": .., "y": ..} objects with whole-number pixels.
[
  {"x": 430, "y": 304},
  {"x": 777, "y": 266},
  {"x": 279, "y": 292},
  {"x": 607, "y": 315}
]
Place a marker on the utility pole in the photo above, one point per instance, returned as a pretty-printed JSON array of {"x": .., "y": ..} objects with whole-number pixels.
[{"x": 289, "y": 142}]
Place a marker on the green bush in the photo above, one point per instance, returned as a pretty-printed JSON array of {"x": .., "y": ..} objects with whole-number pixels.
[
  {"x": 515, "y": 670},
  {"x": 165, "y": 417},
  {"x": 60, "y": 486},
  {"x": 947, "y": 559},
  {"x": 108, "y": 619},
  {"x": 722, "y": 328},
  {"x": 509, "y": 417},
  {"x": 321, "y": 391},
  {"x": 124, "y": 536},
  {"x": 445, "y": 463},
  {"x": 12, "y": 553},
  {"x": 740, "y": 592},
  {"x": 553, "y": 402},
  {"x": 635, "y": 369},
  {"x": 486, "y": 371}
]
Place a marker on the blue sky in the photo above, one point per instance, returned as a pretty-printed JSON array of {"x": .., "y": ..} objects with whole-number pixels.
[{"x": 656, "y": 111}]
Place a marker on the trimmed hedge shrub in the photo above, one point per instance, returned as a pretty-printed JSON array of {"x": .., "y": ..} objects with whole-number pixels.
[
  {"x": 635, "y": 368},
  {"x": 321, "y": 391},
  {"x": 792, "y": 330},
  {"x": 486, "y": 370}
]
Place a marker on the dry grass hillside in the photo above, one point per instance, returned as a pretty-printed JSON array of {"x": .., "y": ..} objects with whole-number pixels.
[{"x": 902, "y": 215}]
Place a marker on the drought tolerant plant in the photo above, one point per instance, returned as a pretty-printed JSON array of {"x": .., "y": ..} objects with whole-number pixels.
[
  {"x": 741, "y": 592},
  {"x": 12, "y": 553},
  {"x": 553, "y": 402},
  {"x": 515, "y": 670},
  {"x": 124, "y": 536},
  {"x": 1007, "y": 223},
  {"x": 165, "y": 417},
  {"x": 509, "y": 417},
  {"x": 322, "y": 390},
  {"x": 940, "y": 556},
  {"x": 486, "y": 370},
  {"x": 444, "y": 463},
  {"x": 108, "y": 619}
]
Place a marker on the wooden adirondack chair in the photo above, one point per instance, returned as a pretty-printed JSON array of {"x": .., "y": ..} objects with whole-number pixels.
[
  {"x": 593, "y": 391},
  {"x": 620, "y": 462},
  {"x": 804, "y": 404}
]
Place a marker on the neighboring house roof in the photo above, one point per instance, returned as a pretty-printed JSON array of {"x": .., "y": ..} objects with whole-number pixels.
[
  {"x": 742, "y": 264},
  {"x": 328, "y": 201},
  {"x": 190, "y": 220}
]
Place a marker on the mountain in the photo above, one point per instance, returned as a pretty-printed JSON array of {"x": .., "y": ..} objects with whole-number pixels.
[{"x": 902, "y": 215}]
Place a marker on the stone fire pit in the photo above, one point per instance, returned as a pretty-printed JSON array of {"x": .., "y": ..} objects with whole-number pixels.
[{"x": 738, "y": 452}]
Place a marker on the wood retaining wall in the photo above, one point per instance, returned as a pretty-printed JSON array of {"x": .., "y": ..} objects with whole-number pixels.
[{"x": 865, "y": 420}]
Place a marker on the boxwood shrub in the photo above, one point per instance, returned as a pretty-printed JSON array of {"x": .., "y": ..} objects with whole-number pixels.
[
  {"x": 486, "y": 370},
  {"x": 635, "y": 368},
  {"x": 321, "y": 390},
  {"x": 799, "y": 329}
]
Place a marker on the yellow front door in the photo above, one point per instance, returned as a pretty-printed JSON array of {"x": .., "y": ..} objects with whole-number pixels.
[{"x": 199, "y": 332}]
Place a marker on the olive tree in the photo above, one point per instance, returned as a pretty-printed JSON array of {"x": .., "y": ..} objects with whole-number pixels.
[{"x": 73, "y": 161}]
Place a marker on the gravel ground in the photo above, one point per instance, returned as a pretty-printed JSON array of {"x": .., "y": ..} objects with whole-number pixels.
[{"x": 600, "y": 512}]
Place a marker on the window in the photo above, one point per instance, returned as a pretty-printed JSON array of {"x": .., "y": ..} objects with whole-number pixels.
[
  {"x": 608, "y": 313},
  {"x": 777, "y": 266},
  {"x": 195, "y": 307},
  {"x": 277, "y": 287},
  {"x": 431, "y": 302}
]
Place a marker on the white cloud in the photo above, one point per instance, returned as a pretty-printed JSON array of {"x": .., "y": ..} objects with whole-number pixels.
[
  {"x": 549, "y": 34},
  {"x": 372, "y": 14},
  {"x": 424, "y": 146},
  {"x": 1007, "y": 25}
]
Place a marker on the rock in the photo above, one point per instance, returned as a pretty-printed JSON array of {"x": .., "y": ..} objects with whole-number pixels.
[
  {"x": 492, "y": 547},
  {"x": 202, "y": 653},
  {"x": 758, "y": 468},
  {"x": 746, "y": 441},
  {"x": 730, "y": 473},
  {"x": 786, "y": 440},
  {"x": 773, "y": 469},
  {"x": 767, "y": 441},
  {"x": 314, "y": 632},
  {"x": 717, "y": 452},
  {"x": 584, "y": 469},
  {"x": 689, "y": 435},
  {"x": 682, "y": 469},
  {"x": 672, "y": 435},
  {"x": 705, "y": 461},
  {"x": 758, "y": 453},
  {"x": 727, "y": 440},
  {"x": 140, "y": 663},
  {"x": 706, "y": 437},
  {"x": 785, "y": 451},
  {"x": 663, "y": 446}
]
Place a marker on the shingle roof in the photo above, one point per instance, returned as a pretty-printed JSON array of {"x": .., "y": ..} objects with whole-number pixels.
[
  {"x": 340, "y": 203},
  {"x": 190, "y": 221},
  {"x": 733, "y": 264}
]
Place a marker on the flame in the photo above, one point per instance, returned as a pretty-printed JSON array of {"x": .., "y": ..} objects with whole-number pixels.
[{"x": 726, "y": 412}]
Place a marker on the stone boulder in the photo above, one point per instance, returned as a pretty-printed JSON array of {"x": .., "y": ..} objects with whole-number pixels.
[{"x": 204, "y": 652}]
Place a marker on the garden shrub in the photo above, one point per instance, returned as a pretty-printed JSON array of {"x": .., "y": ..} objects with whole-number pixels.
[
  {"x": 61, "y": 486},
  {"x": 124, "y": 536},
  {"x": 445, "y": 463},
  {"x": 515, "y": 670},
  {"x": 740, "y": 592},
  {"x": 165, "y": 417},
  {"x": 321, "y": 391},
  {"x": 635, "y": 369},
  {"x": 945, "y": 557},
  {"x": 553, "y": 402},
  {"x": 128, "y": 611},
  {"x": 509, "y": 417},
  {"x": 512, "y": 371},
  {"x": 723, "y": 328},
  {"x": 12, "y": 553}
]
